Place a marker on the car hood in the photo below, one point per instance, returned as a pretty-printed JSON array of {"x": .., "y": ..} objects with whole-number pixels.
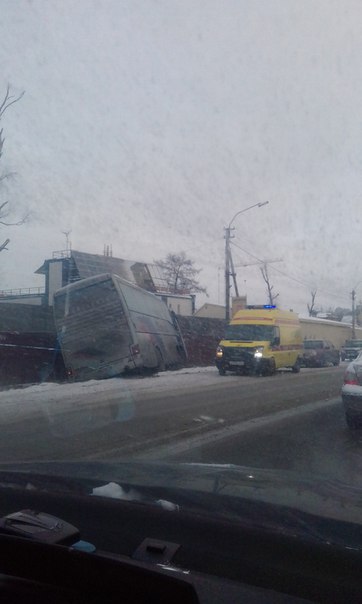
[{"x": 211, "y": 488}]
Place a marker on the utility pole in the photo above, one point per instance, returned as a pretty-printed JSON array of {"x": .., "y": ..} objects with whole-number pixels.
[
  {"x": 229, "y": 264},
  {"x": 353, "y": 294},
  {"x": 227, "y": 273},
  {"x": 229, "y": 261},
  {"x": 233, "y": 273}
]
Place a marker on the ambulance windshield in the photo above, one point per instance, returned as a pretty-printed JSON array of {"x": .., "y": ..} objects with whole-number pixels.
[{"x": 250, "y": 333}]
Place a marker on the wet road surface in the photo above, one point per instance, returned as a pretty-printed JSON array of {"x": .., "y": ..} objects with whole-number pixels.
[{"x": 286, "y": 421}]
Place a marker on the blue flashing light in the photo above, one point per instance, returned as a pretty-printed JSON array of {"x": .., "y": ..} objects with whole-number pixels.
[{"x": 259, "y": 306}]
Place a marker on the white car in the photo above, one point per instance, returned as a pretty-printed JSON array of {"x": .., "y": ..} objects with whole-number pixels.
[{"x": 352, "y": 393}]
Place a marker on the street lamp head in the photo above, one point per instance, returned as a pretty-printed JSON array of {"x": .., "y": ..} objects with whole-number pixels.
[{"x": 255, "y": 205}]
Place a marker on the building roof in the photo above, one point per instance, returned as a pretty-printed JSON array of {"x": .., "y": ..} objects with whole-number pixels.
[
  {"x": 83, "y": 265},
  {"x": 89, "y": 265},
  {"x": 211, "y": 310}
]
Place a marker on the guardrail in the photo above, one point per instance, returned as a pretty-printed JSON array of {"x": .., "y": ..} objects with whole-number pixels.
[
  {"x": 23, "y": 291},
  {"x": 62, "y": 254}
]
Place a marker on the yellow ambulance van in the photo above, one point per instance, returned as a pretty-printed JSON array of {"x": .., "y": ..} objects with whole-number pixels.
[{"x": 259, "y": 340}]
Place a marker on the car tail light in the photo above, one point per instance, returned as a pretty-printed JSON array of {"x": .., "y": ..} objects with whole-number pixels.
[
  {"x": 135, "y": 349},
  {"x": 350, "y": 377}
]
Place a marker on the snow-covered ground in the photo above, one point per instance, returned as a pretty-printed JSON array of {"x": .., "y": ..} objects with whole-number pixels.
[
  {"x": 159, "y": 381},
  {"x": 24, "y": 401}
]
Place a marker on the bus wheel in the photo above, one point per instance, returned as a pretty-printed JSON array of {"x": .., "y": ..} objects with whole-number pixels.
[{"x": 160, "y": 362}]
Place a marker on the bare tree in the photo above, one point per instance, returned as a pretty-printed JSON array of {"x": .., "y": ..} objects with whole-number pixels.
[
  {"x": 180, "y": 274},
  {"x": 311, "y": 306},
  {"x": 5, "y": 213},
  {"x": 271, "y": 296}
]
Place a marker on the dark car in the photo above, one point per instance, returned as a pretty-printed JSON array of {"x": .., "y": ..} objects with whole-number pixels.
[
  {"x": 320, "y": 353},
  {"x": 351, "y": 350}
]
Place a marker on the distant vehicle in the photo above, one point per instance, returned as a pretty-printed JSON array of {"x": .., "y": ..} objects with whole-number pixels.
[
  {"x": 351, "y": 350},
  {"x": 107, "y": 326},
  {"x": 352, "y": 393},
  {"x": 260, "y": 340},
  {"x": 320, "y": 353}
]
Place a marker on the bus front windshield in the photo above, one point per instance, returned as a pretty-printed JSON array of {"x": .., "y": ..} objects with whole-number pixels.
[{"x": 250, "y": 333}]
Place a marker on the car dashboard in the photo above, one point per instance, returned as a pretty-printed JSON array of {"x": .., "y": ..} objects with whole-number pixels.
[{"x": 142, "y": 553}]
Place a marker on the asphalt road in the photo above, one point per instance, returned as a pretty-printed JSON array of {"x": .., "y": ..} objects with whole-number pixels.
[
  {"x": 307, "y": 440},
  {"x": 291, "y": 421}
]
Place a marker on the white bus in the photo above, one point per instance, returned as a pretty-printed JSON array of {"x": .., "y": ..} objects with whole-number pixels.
[{"x": 107, "y": 326}]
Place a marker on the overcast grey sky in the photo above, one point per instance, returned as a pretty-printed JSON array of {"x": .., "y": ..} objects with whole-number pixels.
[{"x": 148, "y": 124}]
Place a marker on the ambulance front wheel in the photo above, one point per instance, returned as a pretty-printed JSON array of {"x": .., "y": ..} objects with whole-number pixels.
[{"x": 271, "y": 369}]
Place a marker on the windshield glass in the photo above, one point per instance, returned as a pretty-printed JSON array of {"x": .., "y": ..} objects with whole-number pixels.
[
  {"x": 163, "y": 167},
  {"x": 313, "y": 344},
  {"x": 354, "y": 343},
  {"x": 250, "y": 333}
]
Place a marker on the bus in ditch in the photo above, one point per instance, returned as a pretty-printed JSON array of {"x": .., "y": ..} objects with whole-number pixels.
[{"x": 107, "y": 326}]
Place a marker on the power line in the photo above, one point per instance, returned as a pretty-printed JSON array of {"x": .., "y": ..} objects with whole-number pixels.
[
  {"x": 246, "y": 251},
  {"x": 303, "y": 283},
  {"x": 323, "y": 291},
  {"x": 262, "y": 262}
]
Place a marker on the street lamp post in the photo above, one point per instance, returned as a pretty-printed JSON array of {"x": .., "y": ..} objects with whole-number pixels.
[
  {"x": 229, "y": 261},
  {"x": 353, "y": 296}
]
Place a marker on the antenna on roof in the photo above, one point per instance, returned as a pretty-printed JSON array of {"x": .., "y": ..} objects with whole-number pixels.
[
  {"x": 107, "y": 250},
  {"x": 68, "y": 244}
]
